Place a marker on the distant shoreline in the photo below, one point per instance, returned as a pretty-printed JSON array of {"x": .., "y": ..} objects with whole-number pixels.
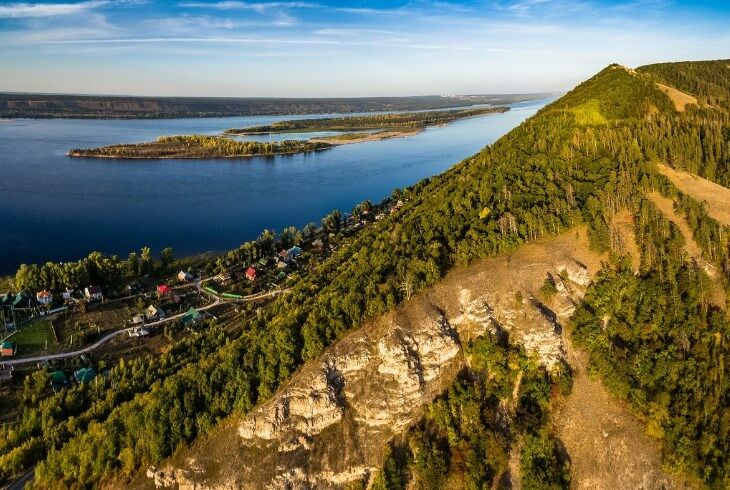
[{"x": 60, "y": 106}]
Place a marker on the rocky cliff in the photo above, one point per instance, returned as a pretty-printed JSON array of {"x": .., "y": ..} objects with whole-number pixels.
[{"x": 332, "y": 422}]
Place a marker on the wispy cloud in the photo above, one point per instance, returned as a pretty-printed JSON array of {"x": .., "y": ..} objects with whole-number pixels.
[
  {"x": 260, "y": 7},
  {"x": 28, "y": 10}
]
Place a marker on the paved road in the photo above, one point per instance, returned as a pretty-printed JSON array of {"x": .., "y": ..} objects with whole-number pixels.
[
  {"x": 20, "y": 483},
  {"x": 216, "y": 301}
]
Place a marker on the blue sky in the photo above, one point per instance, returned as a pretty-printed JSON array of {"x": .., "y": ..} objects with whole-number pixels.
[{"x": 359, "y": 48}]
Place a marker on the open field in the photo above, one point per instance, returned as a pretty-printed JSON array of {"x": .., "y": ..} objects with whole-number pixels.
[
  {"x": 714, "y": 195},
  {"x": 34, "y": 337},
  {"x": 680, "y": 99}
]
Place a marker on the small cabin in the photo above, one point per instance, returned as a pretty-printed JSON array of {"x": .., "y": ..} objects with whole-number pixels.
[
  {"x": 154, "y": 312},
  {"x": 294, "y": 252},
  {"x": 93, "y": 293},
  {"x": 184, "y": 276},
  {"x": 7, "y": 348},
  {"x": 44, "y": 297}
]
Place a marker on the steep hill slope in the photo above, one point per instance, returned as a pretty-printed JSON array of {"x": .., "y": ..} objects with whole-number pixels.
[{"x": 655, "y": 337}]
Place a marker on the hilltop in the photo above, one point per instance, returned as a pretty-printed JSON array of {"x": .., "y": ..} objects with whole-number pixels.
[{"x": 600, "y": 279}]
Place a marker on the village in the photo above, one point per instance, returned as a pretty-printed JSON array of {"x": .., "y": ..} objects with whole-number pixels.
[{"x": 76, "y": 334}]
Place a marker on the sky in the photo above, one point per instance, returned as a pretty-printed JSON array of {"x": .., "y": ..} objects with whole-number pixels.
[{"x": 320, "y": 48}]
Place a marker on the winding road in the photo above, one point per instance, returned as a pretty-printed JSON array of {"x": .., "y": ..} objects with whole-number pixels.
[{"x": 216, "y": 301}]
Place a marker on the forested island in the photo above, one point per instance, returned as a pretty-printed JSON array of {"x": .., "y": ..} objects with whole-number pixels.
[
  {"x": 199, "y": 146},
  {"x": 376, "y": 127},
  {"x": 410, "y": 121}
]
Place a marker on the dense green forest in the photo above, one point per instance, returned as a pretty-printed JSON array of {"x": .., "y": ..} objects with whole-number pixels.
[
  {"x": 580, "y": 159},
  {"x": 407, "y": 120},
  {"x": 199, "y": 146}
]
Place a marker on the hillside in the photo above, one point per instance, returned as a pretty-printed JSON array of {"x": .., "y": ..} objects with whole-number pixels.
[{"x": 655, "y": 336}]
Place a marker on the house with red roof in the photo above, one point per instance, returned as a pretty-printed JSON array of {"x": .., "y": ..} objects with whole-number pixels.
[
  {"x": 163, "y": 290},
  {"x": 251, "y": 274}
]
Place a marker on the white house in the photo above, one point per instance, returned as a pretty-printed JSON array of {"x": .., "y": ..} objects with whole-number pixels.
[
  {"x": 184, "y": 276},
  {"x": 93, "y": 292},
  {"x": 155, "y": 312},
  {"x": 44, "y": 297}
]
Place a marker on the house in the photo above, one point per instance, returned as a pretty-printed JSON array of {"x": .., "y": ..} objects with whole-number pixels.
[
  {"x": 58, "y": 380},
  {"x": 284, "y": 255},
  {"x": 7, "y": 348},
  {"x": 318, "y": 244},
  {"x": 163, "y": 290},
  {"x": 154, "y": 313},
  {"x": 139, "y": 332},
  {"x": 295, "y": 252},
  {"x": 84, "y": 375},
  {"x": 190, "y": 317},
  {"x": 67, "y": 295},
  {"x": 44, "y": 297},
  {"x": 22, "y": 300},
  {"x": 93, "y": 293},
  {"x": 224, "y": 277},
  {"x": 281, "y": 265},
  {"x": 184, "y": 276},
  {"x": 137, "y": 320},
  {"x": 251, "y": 274},
  {"x": 264, "y": 262}
]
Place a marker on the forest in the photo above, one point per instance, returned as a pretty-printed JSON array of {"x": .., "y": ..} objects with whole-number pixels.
[
  {"x": 199, "y": 146},
  {"x": 579, "y": 160},
  {"x": 407, "y": 120}
]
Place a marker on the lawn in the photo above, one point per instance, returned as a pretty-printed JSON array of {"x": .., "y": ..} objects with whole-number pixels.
[{"x": 32, "y": 338}]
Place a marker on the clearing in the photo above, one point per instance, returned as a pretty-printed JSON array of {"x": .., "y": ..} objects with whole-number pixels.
[
  {"x": 714, "y": 195},
  {"x": 608, "y": 448},
  {"x": 666, "y": 206},
  {"x": 680, "y": 99},
  {"x": 36, "y": 337}
]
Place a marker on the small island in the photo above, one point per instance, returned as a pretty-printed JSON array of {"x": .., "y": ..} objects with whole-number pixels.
[
  {"x": 355, "y": 129},
  {"x": 406, "y": 121},
  {"x": 199, "y": 146}
]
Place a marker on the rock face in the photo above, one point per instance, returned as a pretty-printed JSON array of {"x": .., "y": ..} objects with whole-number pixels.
[{"x": 331, "y": 423}]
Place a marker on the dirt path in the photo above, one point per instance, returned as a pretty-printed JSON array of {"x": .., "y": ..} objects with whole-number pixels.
[
  {"x": 714, "y": 195},
  {"x": 680, "y": 99},
  {"x": 365, "y": 137},
  {"x": 607, "y": 445}
]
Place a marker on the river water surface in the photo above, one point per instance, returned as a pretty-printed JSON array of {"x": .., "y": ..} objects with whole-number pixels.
[{"x": 53, "y": 207}]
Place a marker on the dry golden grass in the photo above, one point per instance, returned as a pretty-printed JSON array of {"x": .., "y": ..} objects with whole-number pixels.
[
  {"x": 680, "y": 99},
  {"x": 714, "y": 195}
]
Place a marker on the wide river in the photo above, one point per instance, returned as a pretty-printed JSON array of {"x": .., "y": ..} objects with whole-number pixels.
[{"x": 53, "y": 207}]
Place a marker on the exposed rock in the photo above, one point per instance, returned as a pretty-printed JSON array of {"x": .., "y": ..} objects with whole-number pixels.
[{"x": 331, "y": 423}]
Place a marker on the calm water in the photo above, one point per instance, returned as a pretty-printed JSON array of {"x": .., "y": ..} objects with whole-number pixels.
[{"x": 57, "y": 208}]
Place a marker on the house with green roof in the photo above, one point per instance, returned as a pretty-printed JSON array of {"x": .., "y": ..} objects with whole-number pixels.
[
  {"x": 84, "y": 375},
  {"x": 190, "y": 317},
  {"x": 58, "y": 380},
  {"x": 7, "y": 348}
]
